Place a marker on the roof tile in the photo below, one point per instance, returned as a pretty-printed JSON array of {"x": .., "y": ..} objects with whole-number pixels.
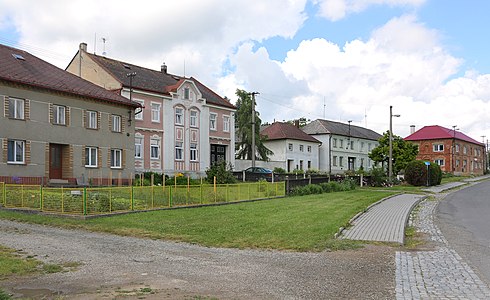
[{"x": 435, "y": 132}]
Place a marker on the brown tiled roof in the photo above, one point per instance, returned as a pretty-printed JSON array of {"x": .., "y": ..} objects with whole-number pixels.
[
  {"x": 21, "y": 67},
  {"x": 154, "y": 81},
  {"x": 331, "y": 127},
  {"x": 280, "y": 131}
]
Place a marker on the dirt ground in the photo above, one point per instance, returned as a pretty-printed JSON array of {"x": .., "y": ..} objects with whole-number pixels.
[{"x": 114, "y": 267}]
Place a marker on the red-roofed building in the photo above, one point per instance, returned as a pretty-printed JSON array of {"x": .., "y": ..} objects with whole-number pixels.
[
  {"x": 452, "y": 150},
  {"x": 292, "y": 146}
]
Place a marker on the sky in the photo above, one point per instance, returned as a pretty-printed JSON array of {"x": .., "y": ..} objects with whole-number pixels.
[{"x": 341, "y": 60}]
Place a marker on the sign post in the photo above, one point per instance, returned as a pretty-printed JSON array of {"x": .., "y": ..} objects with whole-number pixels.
[{"x": 428, "y": 173}]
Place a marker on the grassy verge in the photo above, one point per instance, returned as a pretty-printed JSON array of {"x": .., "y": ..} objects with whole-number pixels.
[
  {"x": 305, "y": 223},
  {"x": 12, "y": 263}
]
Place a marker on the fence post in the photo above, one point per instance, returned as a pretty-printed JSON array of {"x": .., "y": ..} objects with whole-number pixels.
[
  {"x": 227, "y": 196},
  {"x": 361, "y": 180},
  {"x": 243, "y": 175},
  {"x": 287, "y": 185},
  {"x": 84, "y": 201},
  {"x": 170, "y": 197},
  {"x": 132, "y": 198},
  {"x": 200, "y": 192},
  {"x": 41, "y": 199},
  {"x": 309, "y": 179},
  {"x": 62, "y": 201},
  {"x": 4, "y": 194},
  {"x": 215, "y": 192}
]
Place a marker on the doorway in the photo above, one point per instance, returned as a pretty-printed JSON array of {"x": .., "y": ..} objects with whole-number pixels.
[{"x": 55, "y": 161}]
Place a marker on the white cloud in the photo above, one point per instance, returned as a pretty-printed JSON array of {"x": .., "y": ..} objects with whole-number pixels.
[{"x": 335, "y": 10}]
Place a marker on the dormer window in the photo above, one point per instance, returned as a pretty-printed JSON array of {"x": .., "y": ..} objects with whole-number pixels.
[{"x": 186, "y": 94}]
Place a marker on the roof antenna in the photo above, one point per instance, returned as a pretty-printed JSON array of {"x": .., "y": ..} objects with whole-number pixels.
[
  {"x": 103, "y": 42},
  {"x": 184, "y": 68}
]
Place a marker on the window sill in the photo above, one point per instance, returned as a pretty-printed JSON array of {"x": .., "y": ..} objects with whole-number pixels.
[
  {"x": 91, "y": 167},
  {"x": 16, "y": 163}
]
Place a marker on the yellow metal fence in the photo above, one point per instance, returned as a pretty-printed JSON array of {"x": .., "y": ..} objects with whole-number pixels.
[{"x": 103, "y": 200}]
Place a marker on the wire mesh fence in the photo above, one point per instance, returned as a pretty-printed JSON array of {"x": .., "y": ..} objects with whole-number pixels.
[{"x": 106, "y": 200}]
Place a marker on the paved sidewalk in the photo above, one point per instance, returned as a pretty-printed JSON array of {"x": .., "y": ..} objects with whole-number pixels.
[
  {"x": 443, "y": 187},
  {"x": 384, "y": 221}
]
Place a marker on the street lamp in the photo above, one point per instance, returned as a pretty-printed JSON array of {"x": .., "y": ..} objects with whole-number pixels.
[{"x": 390, "y": 161}]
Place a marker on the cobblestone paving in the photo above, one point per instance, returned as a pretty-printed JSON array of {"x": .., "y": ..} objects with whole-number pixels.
[{"x": 438, "y": 274}]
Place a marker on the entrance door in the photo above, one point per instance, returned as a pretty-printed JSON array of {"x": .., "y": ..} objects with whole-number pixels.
[
  {"x": 352, "y": 163},
  {"x": 55, "y": 161},
  {"x": 218, "y": 153}
]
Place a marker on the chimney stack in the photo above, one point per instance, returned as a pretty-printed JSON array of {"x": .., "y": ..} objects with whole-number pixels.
[
  {"x": 296, "y": 123},
  {"x": 164, "y": 68},
  {"x": 83, "y": 47},
  {"x": 412, "y": 129}
]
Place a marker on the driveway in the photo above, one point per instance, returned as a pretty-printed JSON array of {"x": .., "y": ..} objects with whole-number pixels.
[{"x": 115, "y": 266}]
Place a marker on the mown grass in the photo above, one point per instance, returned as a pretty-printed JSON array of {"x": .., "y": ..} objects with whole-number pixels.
[
  {"x": 306, "y": 223},
  {"x": 12, "y": 263}
]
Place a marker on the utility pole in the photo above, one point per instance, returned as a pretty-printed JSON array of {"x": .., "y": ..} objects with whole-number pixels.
[
  {"x": 253, "y": 127},
  {"x": 390, "y": 161}
]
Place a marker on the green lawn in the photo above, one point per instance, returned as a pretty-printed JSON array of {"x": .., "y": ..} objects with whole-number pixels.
[
  {"x": 12, "y": 263},
  {"x": 305, "y": 223}
]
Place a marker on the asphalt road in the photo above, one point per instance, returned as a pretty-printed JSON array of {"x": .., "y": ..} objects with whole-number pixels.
[{"x": 463, "y": 218}]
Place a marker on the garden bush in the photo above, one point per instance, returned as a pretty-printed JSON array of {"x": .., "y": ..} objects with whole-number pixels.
[
  {"x": 222, "y": 171},
  {"x": 416, "y": 173},
  {"x": 378, "y": 176},
  {"x": 279, "y": 171},
  {"x": 327, "y": 187}
]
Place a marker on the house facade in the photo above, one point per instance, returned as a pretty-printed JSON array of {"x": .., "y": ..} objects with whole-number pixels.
[
  {"x": 296, "y": 149},
  {"x": 59, "y": 128},
  {"x": 344, "y": 147},
  {"x": 452, "y": 150},
  {"x": 183, "y": 127}
]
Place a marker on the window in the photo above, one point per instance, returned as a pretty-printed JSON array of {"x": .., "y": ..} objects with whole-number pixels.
[
  {"x": 154, "y": 149},
  {"x": 369, "y": 162},
  {"x": 341, "y": 143},
  {"x": 362, "y": 146},
  {"x": 138, "y": 147},
  {"x": 16, "y": 108},
  {"x": 309, "y": 164},
  {"x": 193, "y": 118},
  {"x": 369, "y": 147},
  {"x": 178, "y": 151},
  {"x": 290, "y": 147},
  {"x": 179, "y": 116},
  {"x": 226, "y": 123},
  {"x": 465, "y": 150},
  {"x": 116, "y": 123},
  {"x": 438, "y": 147},
  {"x": 186, "y": 94},
  {"x": 341, "y": 161},
  {"x": 334, "y": 143},
  {"x": 155, "y": 112},
  {"x": 59, "y": 114},
  {"x": 440, "y": 162},
  {"x": 15, "y": 151},
  {"x": 91, "y": 157},
  {"x": 193, "y": 152},
  {"x": 457, "y": 162},
  {"x": 352, "y": 145},
  {"x": 140, "y": 115},
  {"x": 92, "y": 119},
  {"x": 457, "y": 147},
  {"x": 301, "y": 148},
  {"x": 116, "y": 158},
  {"x": 334, "y": 161},
  {"x": 309, "y": 148},
  {"x": 301, "y": 164},
  {"x": 212, "y": 121}
]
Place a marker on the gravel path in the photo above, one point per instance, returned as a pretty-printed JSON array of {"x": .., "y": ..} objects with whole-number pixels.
[{"x": 113, "y": 265}]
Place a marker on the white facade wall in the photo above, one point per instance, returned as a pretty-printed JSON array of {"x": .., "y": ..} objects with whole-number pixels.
[
  {"x": 342, "y": 152},
  {"x": 295, "y": 158}
]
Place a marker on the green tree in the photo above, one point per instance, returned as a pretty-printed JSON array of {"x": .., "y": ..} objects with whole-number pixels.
[
  {"x": 243, "y": 119},
  {"x": 403, "y": 152}
]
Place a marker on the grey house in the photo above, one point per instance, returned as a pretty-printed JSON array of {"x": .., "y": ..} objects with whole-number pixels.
[
  {"x": 56, "y": 127},
  {"x": 345, "y": 147}
]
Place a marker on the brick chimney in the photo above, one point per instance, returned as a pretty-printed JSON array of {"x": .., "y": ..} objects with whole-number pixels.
[
  {"x": 83, "y": 47},
  {"x": 412, "y": 129},
  {"x": 164, "y": 68}
]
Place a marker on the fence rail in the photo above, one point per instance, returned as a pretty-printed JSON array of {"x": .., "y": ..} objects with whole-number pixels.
[{"x": 93, "y": 201}]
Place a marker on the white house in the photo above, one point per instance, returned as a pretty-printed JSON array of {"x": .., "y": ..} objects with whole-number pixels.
[
  {"x": 292, "y": 146},
  {"x": 344, "y": 147}
]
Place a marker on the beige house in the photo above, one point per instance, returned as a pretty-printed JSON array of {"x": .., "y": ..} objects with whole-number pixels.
[
  {"x": 59, "y": 128},
  {"x": 183, "y": 126}
]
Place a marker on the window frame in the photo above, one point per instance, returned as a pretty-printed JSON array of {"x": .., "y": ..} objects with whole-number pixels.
[
  {"x": 90, "y": 157},
  {"x": 193, "y": 152},
  {"x": 115, "y": 128},
  {"x": 156, "y": 109},
  {"x": 179, "y": 117},
  {"x": 155, "y": 144},
  {"x": 14, "y": 105},
  {"x": 57, "y": 114},
  {"x": 308, "y": 148},
  {"x": 92, "y": 117},
  {"x": 290, "y": 147},
  {"x": 179, "y": 151},
  {"x": 226, "y": 123},
  {"x": 438, "y": 147},
  {"x": 12, "y": 158},
  {"x": 114, "y": 160},
  {"x": 193, "y": 119},
  {"x": 440, "y": 162},
  {"x": 301, "y": 148},
  {"x": 187, "y": 93},
  {"x": 138, "y": 145},
  {"x": 139, "y": 116},
  {"x": 213, "y": 117}
]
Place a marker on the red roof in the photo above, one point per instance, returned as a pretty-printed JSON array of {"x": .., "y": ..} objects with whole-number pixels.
[
  {"x": 436, "y": 132},
  {"x": 24, "y": 68},
  {"x": 281, "y": 131}
]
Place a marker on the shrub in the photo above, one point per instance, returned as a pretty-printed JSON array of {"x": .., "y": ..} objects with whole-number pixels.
[
  {"x": 279, "y": 170},
  {"x": 416, "y": 173},
  {"x": 180, "y": 179},
  {"x": 222, "y": 171},
  {"x": 378, "y": 176}
]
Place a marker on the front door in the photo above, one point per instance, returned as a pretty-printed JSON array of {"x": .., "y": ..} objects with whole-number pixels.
[
  {"x": 55, "y": 161},
  {"x": 218, "y": 153},
  {"x": 352, "y": 163}
]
